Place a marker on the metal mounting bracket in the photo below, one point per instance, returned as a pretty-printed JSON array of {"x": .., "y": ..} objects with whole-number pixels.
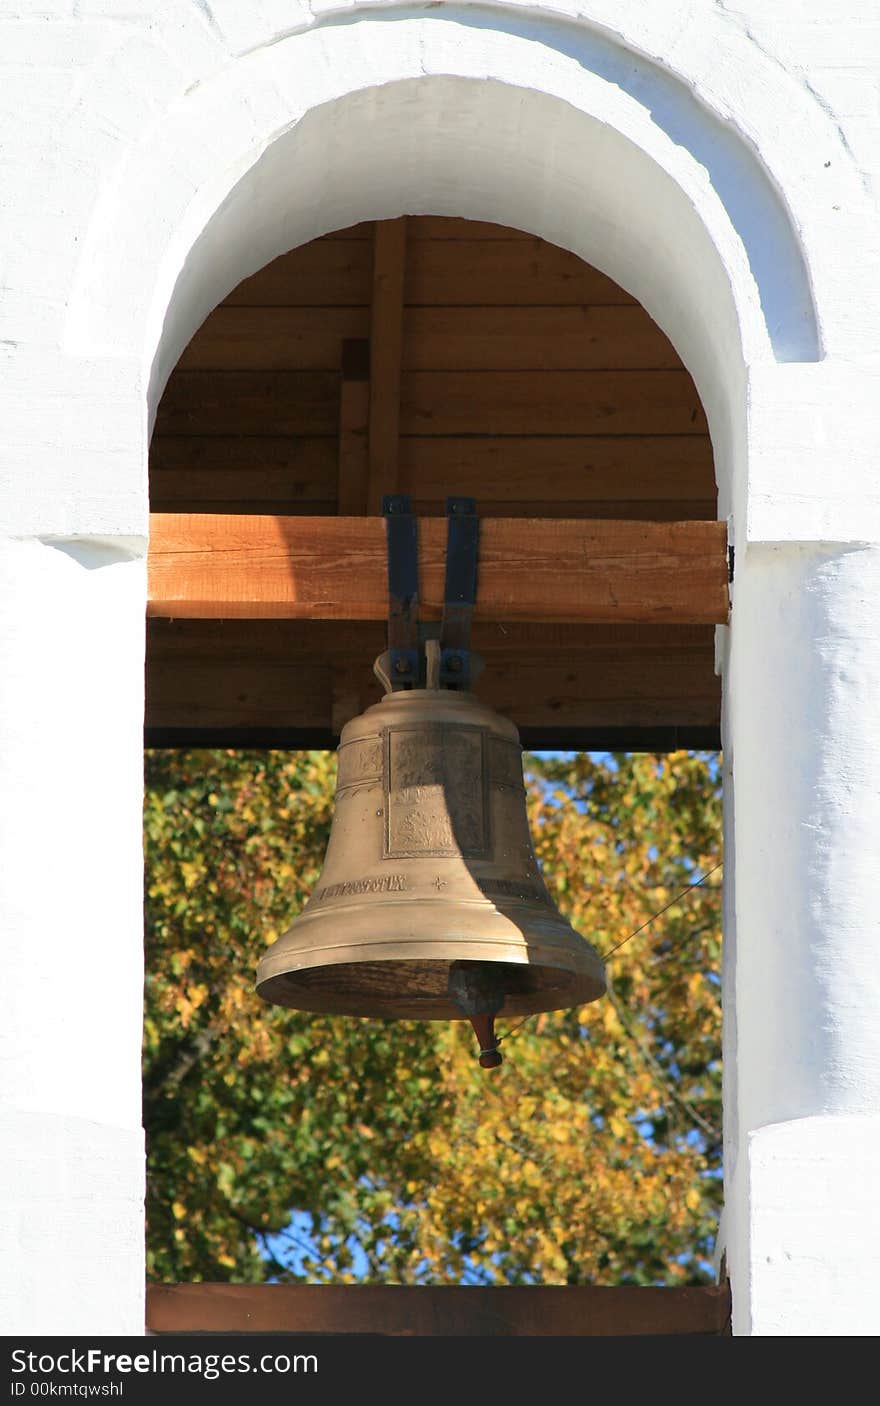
[
  {"x": 462, "y": 554},
  {"x": 403, "y": 592}
]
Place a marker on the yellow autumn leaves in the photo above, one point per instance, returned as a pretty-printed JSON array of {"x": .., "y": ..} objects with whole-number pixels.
[{"x": 592, "y": 1155}]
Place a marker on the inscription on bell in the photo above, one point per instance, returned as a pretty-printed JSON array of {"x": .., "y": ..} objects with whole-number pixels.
[
  {"x": 435, "y": 792},
  {"x": 385, "y": 883}
]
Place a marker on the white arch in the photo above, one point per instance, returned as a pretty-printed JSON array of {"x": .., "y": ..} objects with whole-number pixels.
[{"x": 546, "y": 127}]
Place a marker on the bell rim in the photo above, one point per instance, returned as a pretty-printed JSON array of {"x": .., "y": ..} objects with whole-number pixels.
[
  {"x": 283, "y": 990},
  {"x": 571, "y": 971}
]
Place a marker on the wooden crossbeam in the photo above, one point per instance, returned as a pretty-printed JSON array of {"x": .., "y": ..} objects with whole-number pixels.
[
  {"x": 393, "y": 1310},
  {"x": 334, "y": 568}
]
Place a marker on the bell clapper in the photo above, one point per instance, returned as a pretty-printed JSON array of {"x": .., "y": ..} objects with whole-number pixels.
[
  {"x": 484, "y": 1029},
  {"x": 476, "y": 990}
]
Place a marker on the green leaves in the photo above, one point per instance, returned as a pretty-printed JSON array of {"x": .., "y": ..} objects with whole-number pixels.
[{"x": 591, "y": 1156}]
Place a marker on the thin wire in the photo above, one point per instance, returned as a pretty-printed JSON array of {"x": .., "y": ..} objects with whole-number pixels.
[
  {"x": 507, "y": 1034},
  {"x": 617, "y": 946},
  {"x": 648, "y": 921}
]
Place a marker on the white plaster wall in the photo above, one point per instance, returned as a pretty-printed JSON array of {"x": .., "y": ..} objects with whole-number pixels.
[
  {"x": 720, "y": 160},
  {"x": 71, "y": 703},
  {"x": 802, "y": 675},
  {"x": 815, "y": 1227}
]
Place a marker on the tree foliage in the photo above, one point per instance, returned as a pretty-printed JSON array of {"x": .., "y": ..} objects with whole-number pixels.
[{"x": 330, "y": 1149}]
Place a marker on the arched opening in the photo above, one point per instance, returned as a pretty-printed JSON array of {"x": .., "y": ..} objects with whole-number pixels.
[
  {"x": 522, "y": 377},
  {"x": 567, "y": 137},
  {"x": 558, "y": 175},
  {"x": 515, "y": 373}
]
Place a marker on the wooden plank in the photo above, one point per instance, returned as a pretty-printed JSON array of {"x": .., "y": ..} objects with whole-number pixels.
[
  {"x": 572, "y": 692},
  {"x": 681, "y": 510},
  {"x": 334, "y": 272},
  {"x": 558, "y": 468},
  {"x": 398, "y": 1310},
  {"x": 530, "y": 569},
  {"x": 629, "y": 691},
  {"x": 435, "y": 339},
  {"x": 272, "y": 493},
  {"x": 665, "y": 477},
  {"x": 562, "y": 476},
  {"x": 436, "y": 402},
  {"x": 386, "y": 343},
  {"x": 499, "y": 641},
  {"x": 295, "y": 475},
  {"x": 250, "y": 403},
  {"x": 579, "y": 338},
  {"x": 354, "y": 428},
  {"x": 550, "y": 402},
  {"x": 280, "y": 504},
  {"x": 630, "y": 510},
  {"x": 239, "y": 693},
  {"x": 635, "y": 691},
  {"x": 486, "y": 265},
  {"x": 626, "y": 685},
  {"x": 652, "y": 740},
  {"x": 455, "y": 227},
  {"x": 308, "y": 460},
  {"x": 584, "y": 692},
  {"x": 237, "y": 338},
  {"x": 482, "y": 272}
]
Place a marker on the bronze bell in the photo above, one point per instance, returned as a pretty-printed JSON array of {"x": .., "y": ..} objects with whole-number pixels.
[{"x": 431, "y": 904}]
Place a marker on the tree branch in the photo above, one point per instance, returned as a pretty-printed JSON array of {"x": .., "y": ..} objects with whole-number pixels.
[{"x": 659, "y": 1075}]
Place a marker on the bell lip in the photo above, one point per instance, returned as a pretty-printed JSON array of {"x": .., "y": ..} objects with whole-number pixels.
[
  {"x": 280, "y": 990},
  {"x": 558, "y": 949}
]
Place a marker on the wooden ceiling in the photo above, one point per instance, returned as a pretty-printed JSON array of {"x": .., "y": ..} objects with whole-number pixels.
[{"x": 432, "y": 357}]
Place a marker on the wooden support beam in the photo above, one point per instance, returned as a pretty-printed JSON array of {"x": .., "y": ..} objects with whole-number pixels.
[
  {"x": 641, "y": 687},
  {"x": 539, "y": 569},
  {"x": 289, "y": 683},
  {"x": 354, "y": 424},
  {"x": 386, "y": 350},
  {"x": 398, "y": 1310}
]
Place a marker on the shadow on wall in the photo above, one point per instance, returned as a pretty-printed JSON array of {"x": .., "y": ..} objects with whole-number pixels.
[{"x": 736, "y": 175}]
